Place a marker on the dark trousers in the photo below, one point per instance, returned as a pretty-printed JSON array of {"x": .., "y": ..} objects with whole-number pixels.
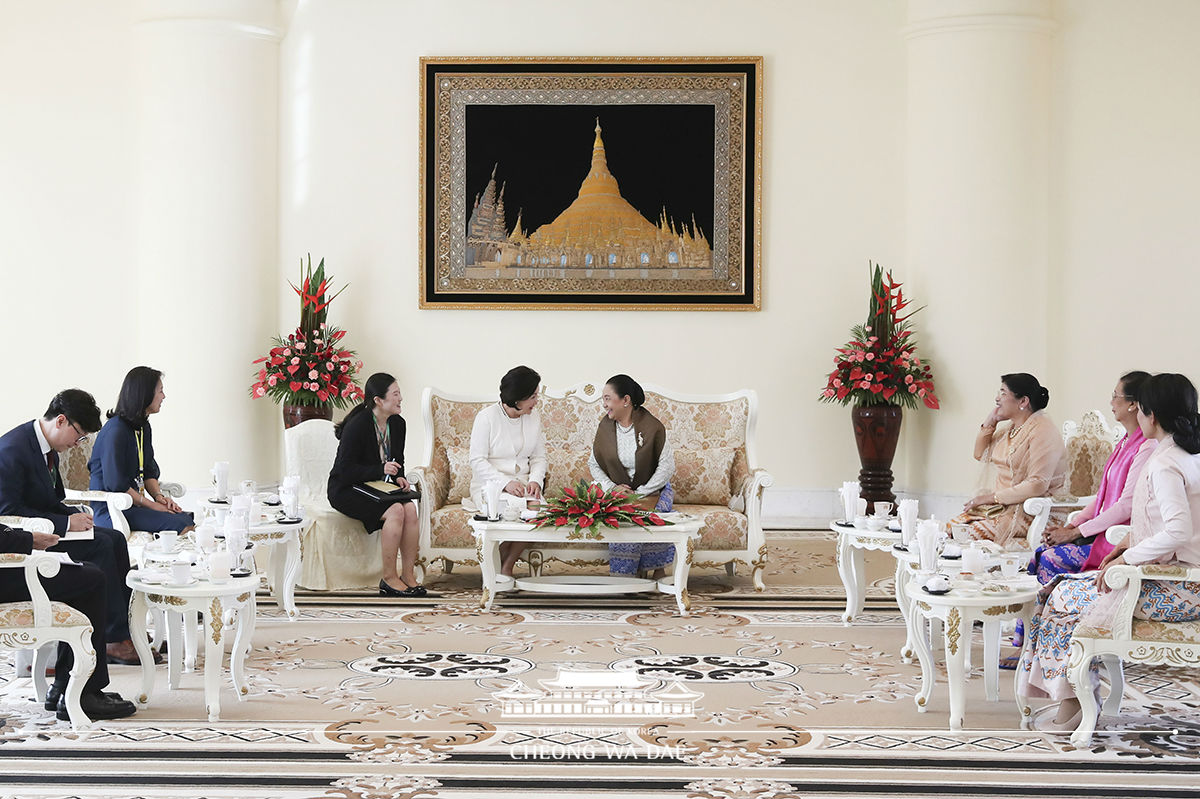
[
  {"x": 109, "y": 551},
  {"x": 83, "y": 588}
]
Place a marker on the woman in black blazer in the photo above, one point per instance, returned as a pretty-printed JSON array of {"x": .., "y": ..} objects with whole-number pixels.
[{"x": 371, "y": 447}]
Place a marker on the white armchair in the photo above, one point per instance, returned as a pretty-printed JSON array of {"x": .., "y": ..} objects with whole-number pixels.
[
  {"x": 73, "y": 466},
  {"x": 38, "y": 621},
  {"x": 1130, "y": 639},
  {"x": 337, "y": 552},
  {"x": 1089, "y": 443}
]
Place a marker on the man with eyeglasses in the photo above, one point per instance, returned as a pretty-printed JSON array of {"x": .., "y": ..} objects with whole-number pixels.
[{"x": 31, "y": 485}]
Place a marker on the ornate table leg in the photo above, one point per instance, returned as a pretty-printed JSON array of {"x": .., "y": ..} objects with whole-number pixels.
[
  {"x": 683, "y": 564},
  {"x": 958, "y": 639},
  {"x": 191, "y": 624},
  {"x": 214, "y": 656},
  {"x": 916, "y": 634},
  {"x": 137, "y": 630},
  {"x": 905, "y": 604},
  {"x": 487, "y": 551},
  {"x": 175, "y": 645},
  {"x": 846, "y": 572},
  {"x": 291, "y": 571},
  {"x": 246, "y": 617},
  {"x": 991, "y": 660},
  {"x": 1023, "y": 702}
]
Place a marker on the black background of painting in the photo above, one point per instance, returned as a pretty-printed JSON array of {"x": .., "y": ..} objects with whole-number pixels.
[
  {"x": 746, "y": 71},
  {"x": 661, "y": 155}
]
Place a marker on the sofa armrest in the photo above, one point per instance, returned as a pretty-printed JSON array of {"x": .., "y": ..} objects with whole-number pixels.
[
  {"x": 1040, "y": 508},
  {"x": 46, "y": 564},
  {"x": 32, "y": 524},
  {"x": 750, "y": 493}
]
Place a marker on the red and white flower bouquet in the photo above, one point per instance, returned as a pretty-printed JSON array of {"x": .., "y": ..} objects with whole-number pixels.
[{"x": 586, "y": 508}]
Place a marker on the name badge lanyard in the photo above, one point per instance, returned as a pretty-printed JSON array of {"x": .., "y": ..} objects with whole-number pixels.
[
  {"x": 140, "y": 479},
  {"x": 384, "y": 437}
]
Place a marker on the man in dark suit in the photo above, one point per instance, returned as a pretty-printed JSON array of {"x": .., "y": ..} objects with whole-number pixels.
[
  {"x": 82, "y": 587},
  {"x": 30, "y": 485}
]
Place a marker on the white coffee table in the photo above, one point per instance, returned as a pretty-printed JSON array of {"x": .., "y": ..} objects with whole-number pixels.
[
  {"x": 958, "y": 610},
  {"x": 682, "y": 534},
  {"x": 213, "y": 599},
  {"x": 852, "y": 541}
]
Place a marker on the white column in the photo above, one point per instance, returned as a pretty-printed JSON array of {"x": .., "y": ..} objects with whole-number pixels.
[
  {"x": 208, "y": 275},
  {"x": 979, "y": 75}
]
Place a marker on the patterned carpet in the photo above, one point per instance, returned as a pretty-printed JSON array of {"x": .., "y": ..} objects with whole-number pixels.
[{"x": 754, "y": 695}]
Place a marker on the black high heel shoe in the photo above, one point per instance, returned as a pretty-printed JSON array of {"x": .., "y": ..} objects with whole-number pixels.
[{"x": 412, "y": 591}]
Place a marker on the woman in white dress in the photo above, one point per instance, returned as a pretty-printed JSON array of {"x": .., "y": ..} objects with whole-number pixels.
[{"x": 508, "y": 445}]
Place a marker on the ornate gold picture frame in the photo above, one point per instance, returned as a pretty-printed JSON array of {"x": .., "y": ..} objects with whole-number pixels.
[{"x": 591, "y": 183}]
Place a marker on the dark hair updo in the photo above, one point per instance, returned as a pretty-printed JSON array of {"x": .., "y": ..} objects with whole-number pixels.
[
  {"x": 626, "y": 386},
  {"x": 1172, "y": 400},
  {"x": 1131, "y": 383},
  {"x": 518, "y": 383},
  {"x": 376, "y": 387},
  {"x": 137, "y": 394},
  {"x": 1023, "y": 384}
]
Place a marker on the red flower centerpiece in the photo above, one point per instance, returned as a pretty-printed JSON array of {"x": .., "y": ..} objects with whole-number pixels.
[
  {"x": 309, "y": 372},
  {"x": 879, "y": 372},
  {"x": 584, "y": 509}
]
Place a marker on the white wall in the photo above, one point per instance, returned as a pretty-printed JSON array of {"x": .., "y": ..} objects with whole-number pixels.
[
  {"x": 833, "y": 171},
  {"x": 67, "y": 201},
  {"x": 1123, "y": 161}
]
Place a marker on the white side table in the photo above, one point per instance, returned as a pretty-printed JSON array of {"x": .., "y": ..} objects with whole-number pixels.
[
  {"x": 213, "y": 599},
  {"x": 682, "y": 534},
  {"x": 850, "y": 546},
  {"x": 958, "y": 611},
  {"x": 284, "y": 540}
]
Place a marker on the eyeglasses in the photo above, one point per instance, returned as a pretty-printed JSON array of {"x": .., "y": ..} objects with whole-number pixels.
[
  {"x": 1117, "y": 396},
  {"x": 82, "y": 435}
]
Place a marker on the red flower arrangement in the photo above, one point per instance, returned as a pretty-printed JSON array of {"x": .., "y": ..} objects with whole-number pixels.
[
  {"x": 880, "y": 365},
  {"x": 586, "y": 508},
  {"x": 310, "y": 366}
]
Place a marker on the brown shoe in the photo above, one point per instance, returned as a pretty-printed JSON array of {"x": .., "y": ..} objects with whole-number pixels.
[{"x": 122, "y": 653}]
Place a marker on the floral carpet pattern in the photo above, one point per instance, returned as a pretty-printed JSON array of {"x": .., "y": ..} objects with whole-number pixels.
[{"x": 764, "y": 695}]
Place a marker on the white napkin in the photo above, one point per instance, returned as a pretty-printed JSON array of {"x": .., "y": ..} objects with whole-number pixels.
[
  {"x": 907, "y": 512},
  {"x": 849, "y": 492},
  {"x": 929, "y": 534}
]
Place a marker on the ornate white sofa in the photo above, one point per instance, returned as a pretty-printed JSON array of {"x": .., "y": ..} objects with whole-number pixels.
[{"x": 716, "y": 474}]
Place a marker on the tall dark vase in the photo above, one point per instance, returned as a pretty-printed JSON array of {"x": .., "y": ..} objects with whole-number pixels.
[
  {"x": 295, "y": 414},
  {"x": 876, "y": 431}
]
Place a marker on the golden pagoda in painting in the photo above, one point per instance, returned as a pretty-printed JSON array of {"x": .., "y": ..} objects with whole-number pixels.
[{"x": 599, "y": 235}]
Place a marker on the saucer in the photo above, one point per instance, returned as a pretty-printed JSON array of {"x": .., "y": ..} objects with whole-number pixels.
[
  {"x": 936, "y": 593},
  {"x": 191, "y": 581},
  {"x": 899, "y": 547},
  {"x": 235, "y": 573},
  {"x": 844, "y": 523},
  {"x": 215, "y": 501},
  {"x": 287, "y": 520}
]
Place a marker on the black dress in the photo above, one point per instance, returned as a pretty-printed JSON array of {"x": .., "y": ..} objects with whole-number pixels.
[{"x": 358, "y": 461}]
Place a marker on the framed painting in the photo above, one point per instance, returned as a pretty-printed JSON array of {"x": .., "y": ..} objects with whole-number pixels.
[{"x": 591, "y": 183}]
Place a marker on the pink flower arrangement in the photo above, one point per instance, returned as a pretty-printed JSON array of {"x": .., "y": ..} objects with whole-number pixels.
[
  {"x": 879, "y": 366},
  {"x": 310, "y": 366}
]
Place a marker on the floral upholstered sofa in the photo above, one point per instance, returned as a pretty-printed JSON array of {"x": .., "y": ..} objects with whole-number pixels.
[{"x": 716, "y": 475}]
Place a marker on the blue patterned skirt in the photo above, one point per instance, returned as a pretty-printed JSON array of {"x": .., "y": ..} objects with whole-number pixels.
[
  {"x": 1043, "y": 668},
  {"x": 628, "y": 559},
  {"x": 1049, "y": 562}
]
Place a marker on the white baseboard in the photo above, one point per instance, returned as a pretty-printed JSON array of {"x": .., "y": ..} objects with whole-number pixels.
[{"x": 806, "y": 508}]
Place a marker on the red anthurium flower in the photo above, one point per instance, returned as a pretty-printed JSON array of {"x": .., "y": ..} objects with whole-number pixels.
[
  {"x": 586, "y": 521},
  {"x": 611, "y": 521},
  {"x": 294, "y": 385},
  {"x": 638, "y": 520},
  {"x": 560, "y": 521}
]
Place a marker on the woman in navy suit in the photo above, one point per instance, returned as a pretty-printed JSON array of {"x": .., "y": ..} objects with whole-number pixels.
[
  {"x": 123, "y": 457},
  {"x": 371, "y": 447}
]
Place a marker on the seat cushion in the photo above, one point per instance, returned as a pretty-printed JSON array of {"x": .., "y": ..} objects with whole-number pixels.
[
  {"x": 721, "y": 528},
  {"x": 20, "y": 614},
  {"x": 449, "y": 527},
  {"x": 1171, "y": 632}
]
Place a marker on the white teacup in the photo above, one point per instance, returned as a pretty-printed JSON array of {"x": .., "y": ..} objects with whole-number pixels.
[
  {"x": 876, "y": 523},
  {"x": 1010, "y": 565},
  {"x": 181, "y": 572},
  {"x": 883, "y": 509},
  {"x": 167, "y": 539},
  {"x": 248, "y": 488},
  {"x": 961, "y": 533}
]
